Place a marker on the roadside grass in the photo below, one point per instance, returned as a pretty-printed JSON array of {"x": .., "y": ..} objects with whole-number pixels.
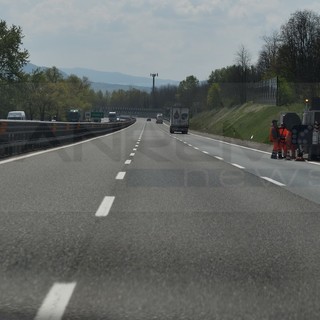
[{"x": 246, "y": 122}]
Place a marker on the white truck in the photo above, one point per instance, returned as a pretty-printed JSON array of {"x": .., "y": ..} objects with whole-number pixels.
[
  {"x": 159, "y": 118},
  {"x": 179, "y": 119},
  {"x": 16, "y": 115}
]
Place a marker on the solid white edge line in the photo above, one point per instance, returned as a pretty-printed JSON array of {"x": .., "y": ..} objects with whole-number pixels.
[
  {"x": 120, "y": 175},
  {"x": 274, "y": 181},
  {"x": 237, "y": 165},
  {"x": 229, "y": 143},
  {"x": 316, "y": 163},
  {"x": 105, "y": 207},
  {"x": 56, "y": 301},
  {"x": 127, "y": 162}
]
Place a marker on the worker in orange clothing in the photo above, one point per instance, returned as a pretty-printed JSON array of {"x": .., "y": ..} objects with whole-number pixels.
[
  {"x": 283, "y": 132},
  {"x": 274, "y": 137},
  {"x": 291, "y": 148}
]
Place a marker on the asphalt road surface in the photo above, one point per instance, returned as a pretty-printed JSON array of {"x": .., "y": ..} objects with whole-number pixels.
[{"x": 142, "y": 224}]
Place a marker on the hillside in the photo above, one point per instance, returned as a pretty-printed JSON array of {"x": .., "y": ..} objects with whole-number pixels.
[
  {"x": 247, "y": 122},
  {"x": 108, "y": 81}
]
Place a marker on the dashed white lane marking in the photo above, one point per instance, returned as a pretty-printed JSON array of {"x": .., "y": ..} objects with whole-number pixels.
[
  {"x": 205, "y": 152},
  {"x": 56, "y": 301},
  {"x": 127, "y": 162},
  {"x": 196, "y": 148},
  {"x": 120, "y": 175},
  {"x": 105, "y": 207},
  {"x": 219, "y": 158},
  {"x": 190, "y": 145},
  {"x": 237, "y": 165},
  {"x": 134, "y": 149},
  {"x": 274, "y": 181},
  {"x": 132, "y": 154}
]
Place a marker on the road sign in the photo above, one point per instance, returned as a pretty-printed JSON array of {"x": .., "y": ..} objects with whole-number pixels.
[{"x": 97, "y": 114}]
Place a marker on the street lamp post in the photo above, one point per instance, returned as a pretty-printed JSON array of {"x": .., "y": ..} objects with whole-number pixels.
[{"x": 153, "y": 75}]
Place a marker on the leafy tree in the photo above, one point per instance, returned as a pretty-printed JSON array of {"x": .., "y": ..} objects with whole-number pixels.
[
  {"x": 12, "y": 57},
  {"x": 267, "y": 63},
  {"x": 187, "y": 92},
  {"x": 214, "y": 96},
  {"x": 286, "y": 92},
  {"x": 299, "y": 54}
]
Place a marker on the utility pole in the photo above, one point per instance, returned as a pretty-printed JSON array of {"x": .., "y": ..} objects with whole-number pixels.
[{"x": 153, "y": 75}]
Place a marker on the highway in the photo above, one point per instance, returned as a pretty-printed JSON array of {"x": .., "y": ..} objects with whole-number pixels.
[{"x": 142, "y": 224}]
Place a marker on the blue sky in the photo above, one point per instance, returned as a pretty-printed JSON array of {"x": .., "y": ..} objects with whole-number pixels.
[{"x": 174, "y": 38}]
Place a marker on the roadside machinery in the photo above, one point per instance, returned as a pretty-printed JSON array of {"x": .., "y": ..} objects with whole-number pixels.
[
  {"x": 179, "y": 119},
  {"x": 305, "y": 132}
]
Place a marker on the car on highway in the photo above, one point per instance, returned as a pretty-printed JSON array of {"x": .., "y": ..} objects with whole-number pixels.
[{"x": 148, "y": 119}]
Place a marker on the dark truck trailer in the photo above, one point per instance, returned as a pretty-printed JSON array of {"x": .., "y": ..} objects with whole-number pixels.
[{"x": 179, "y": 119}]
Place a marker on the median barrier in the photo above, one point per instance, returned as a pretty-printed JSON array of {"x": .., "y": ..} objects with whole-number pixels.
[{"x": 18, "y": 137}]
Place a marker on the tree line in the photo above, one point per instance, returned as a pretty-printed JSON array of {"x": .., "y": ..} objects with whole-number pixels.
[{"x": 291, "y": 54}]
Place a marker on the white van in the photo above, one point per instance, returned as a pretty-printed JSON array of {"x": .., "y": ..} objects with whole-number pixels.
[{"x": 16, "y": 115}]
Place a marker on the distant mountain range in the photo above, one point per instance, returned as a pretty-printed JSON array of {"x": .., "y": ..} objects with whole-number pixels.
[{"x": 109, "y": 81}]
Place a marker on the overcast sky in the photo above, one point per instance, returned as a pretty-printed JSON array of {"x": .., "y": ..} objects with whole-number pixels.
[{"x": 174, "y": 38}]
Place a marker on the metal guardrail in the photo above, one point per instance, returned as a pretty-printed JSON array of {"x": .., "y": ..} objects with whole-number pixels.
[{"x": 18, "y": 137}]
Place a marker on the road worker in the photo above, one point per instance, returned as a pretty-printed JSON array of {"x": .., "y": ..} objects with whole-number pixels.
[
  {"x": 274, "y": 137},
  {"x": 291, "y": 148},
  {"x": 283, "y": 132}
]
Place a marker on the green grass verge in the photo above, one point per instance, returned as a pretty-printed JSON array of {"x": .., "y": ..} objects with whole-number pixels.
[{"x": 247, "y": 122}]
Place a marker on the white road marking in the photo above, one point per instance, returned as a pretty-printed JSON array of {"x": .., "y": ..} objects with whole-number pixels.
[
  {"x": 237, "y": 165},
  {"x": 196, "y": 148},
  {"x": 205, "y": 152},
  {"x": 134, "y": 149},
  {"x": 105, "y": 207},
  {"x": 120, "y": 175},
  {"x": 127, "y": 162},
  {"x": 190, "y": 145},
  {"x": 274, "y": 181},
  {"x": 231, "y": 144},
  {"x": 132, "y": 154},
  {"x": 219, "y": 158},
  {"x": 56, "y": 301},
  {"x": 316, "y": 163}
]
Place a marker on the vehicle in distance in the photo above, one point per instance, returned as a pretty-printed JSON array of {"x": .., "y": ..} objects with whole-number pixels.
[
  {"x": 148, "y": 119},
  {"x": 179, "y": 119},
  {"x": 159, "y": 118},
  {"x": 112, "y": 116},
  {"x": 16, "y": 115},
  {"x": 74, "y": 115}
]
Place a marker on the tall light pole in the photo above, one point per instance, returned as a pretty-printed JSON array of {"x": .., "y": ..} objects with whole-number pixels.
[{"x": 153, "y": 75}]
